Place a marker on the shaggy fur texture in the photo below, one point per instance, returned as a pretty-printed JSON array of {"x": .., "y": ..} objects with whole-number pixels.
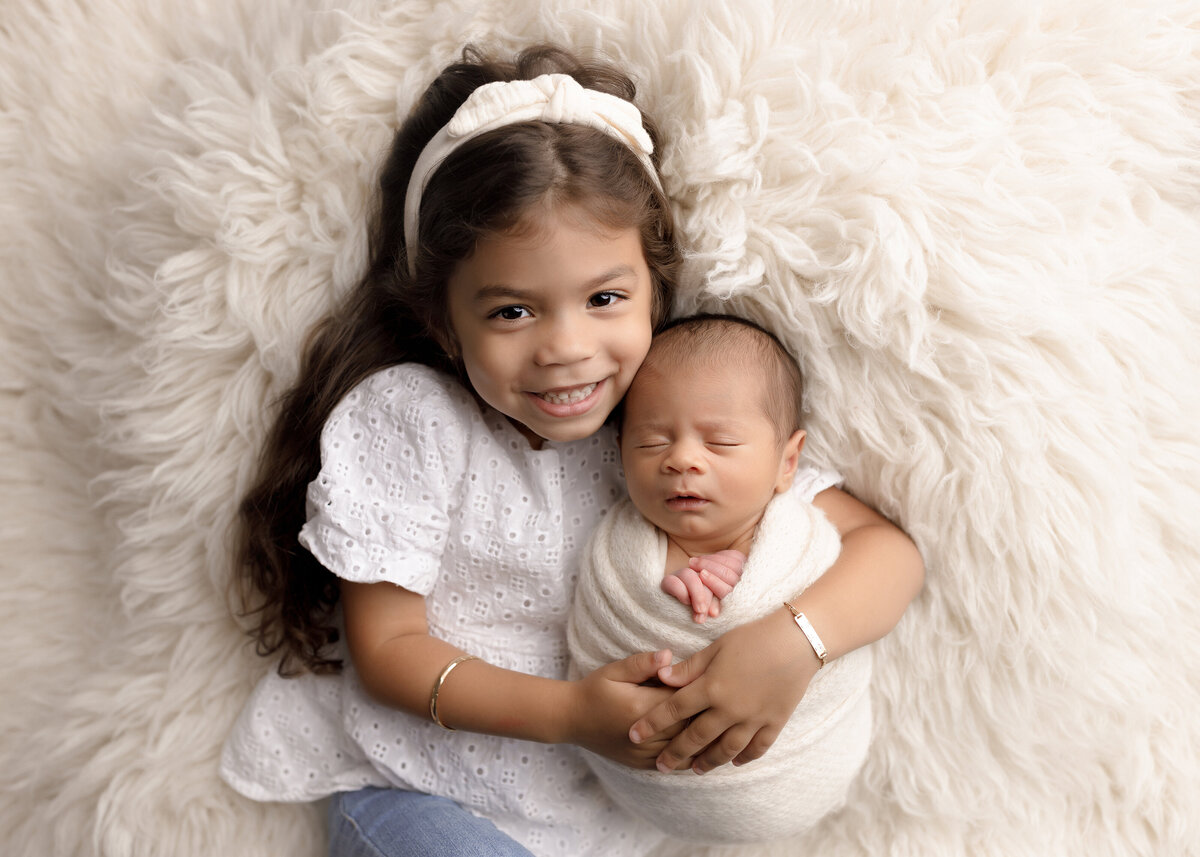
[{"x": 975, "y": 221}]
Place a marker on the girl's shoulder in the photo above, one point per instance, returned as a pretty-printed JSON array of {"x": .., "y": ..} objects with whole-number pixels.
[
  {"x": 402, "y": 380},
  {"x": 408, "y": 404},
  {"x": 408, "y": 392}
]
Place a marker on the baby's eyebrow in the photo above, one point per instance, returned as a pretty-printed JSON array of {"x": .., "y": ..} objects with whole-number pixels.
[
  {"x": 644, "y": 426},
  {"x": 650, "y": 426}
]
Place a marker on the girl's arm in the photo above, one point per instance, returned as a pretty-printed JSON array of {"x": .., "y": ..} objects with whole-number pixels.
[
  {"x": 399, "y": 662},
  {"x": 743, "y": 687}
]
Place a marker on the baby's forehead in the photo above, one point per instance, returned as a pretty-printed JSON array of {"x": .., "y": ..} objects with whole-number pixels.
[
  {"x": 742, "y": 365},
  {"x": 716, "y": 378}
]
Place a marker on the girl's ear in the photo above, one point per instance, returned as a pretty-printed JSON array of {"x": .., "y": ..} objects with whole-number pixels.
[{"x": 789, "y": 461}]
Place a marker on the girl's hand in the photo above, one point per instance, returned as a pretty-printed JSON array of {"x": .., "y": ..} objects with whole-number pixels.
[
  {"x": 604, "y": 703},
  {"x": 705, "y": 581},
  {"x": 739, "y": 692}
]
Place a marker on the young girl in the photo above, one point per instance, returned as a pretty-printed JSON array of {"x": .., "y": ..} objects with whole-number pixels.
[{"x": 436, "y": 469}]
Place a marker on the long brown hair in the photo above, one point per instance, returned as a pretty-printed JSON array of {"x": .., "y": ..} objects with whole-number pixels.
[{"x": 484, "y": 188}]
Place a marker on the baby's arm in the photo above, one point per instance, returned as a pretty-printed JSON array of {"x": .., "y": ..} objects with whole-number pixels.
[
  {"x": 704, "y": 581},
  {"x": 399, "y": 663},
  {"x": 741, "y": 690}
]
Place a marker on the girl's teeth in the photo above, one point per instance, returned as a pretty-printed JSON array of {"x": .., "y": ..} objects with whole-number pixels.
[{"x": 569, "y": 398}]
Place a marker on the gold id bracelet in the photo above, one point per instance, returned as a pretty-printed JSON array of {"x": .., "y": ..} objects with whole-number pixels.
[
  {"x": 437, "y": 689},
  {"x": 810, "y": 632}
]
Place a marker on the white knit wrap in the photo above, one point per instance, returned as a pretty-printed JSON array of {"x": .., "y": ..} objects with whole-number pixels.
[{"x": 619, "y": 609}]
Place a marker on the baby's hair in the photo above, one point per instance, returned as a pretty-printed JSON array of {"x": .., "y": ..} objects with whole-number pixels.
[
  {"x": 503, "y": 182},
  {"x": 713, "y": 336}
]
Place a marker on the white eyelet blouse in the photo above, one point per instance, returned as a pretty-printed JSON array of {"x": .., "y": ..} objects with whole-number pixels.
[{"x": 426, "y": 488}]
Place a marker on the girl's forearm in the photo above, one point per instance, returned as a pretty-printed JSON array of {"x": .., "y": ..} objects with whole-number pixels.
[
  {"x": 399, "y": 663},
  {"x": 862, "y": 596},
  {"x": 475, "y": 696}
]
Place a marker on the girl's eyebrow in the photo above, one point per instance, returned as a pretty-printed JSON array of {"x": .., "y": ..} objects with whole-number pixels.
[{"x": 500, "y": 291}]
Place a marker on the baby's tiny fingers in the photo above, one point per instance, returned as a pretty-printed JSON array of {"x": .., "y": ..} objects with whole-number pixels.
[
  {"x": 714, "y": 584},
  {"x": 676, "y": 588},
  {"x": 699, "y": 595},
  {"x": 730, "y": 572}
]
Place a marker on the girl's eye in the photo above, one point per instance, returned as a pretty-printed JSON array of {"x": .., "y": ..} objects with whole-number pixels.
[
  {"x": 510, "y": 313},
  {"x": 604, "y": 299}
]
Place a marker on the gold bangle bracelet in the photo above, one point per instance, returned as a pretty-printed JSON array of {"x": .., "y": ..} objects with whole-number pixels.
[{"x": 437, "y": 689}]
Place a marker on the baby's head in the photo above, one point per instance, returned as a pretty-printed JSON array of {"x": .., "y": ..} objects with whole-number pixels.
[{"x": 710, "y": 430}]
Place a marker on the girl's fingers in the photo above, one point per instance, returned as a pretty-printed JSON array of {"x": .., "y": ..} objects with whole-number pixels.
[
  {"x": 758, "y": 745},
  {"x": 661, "y": 720},
  {"x": 729, "y": 746},
  {"x": 637, "y": 668},
  {"x": 680, "y": 706},
  {"x": 685, "y": 746}
]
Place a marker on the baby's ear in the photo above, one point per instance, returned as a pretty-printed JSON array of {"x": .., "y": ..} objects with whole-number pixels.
[{"x": 789, "y": 461}]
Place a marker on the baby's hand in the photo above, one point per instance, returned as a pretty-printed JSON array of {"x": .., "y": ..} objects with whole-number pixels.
[{"x": 705, "y": 581}]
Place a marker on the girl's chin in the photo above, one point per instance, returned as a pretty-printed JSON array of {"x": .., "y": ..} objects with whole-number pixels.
[
  {"x": 567, "y": 431},
  {"x": 538, "y": 432}
]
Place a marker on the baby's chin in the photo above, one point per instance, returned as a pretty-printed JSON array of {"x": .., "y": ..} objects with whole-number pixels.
[{"x": 690, "y": 532}]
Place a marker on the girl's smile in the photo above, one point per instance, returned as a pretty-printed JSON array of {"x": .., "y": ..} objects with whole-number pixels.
[
  {"x": 569, "y": 401},
  {"x": 552, "y": 321}
]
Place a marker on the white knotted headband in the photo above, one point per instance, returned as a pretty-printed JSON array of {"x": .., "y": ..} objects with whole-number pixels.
[{"x": 555, "y": 98}]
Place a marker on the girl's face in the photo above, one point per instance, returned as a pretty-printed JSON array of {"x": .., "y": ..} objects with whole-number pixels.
[{"x": 553, "y": 322}]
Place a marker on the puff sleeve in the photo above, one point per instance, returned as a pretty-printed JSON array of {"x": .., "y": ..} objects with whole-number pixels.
[{"x": 392, "y": 456}]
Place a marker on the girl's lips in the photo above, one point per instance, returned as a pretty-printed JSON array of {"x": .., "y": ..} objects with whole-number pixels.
[{"x": 568, "y": 402}]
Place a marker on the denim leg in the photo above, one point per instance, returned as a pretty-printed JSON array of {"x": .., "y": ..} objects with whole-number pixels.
[{"x": 375, "y": 822}]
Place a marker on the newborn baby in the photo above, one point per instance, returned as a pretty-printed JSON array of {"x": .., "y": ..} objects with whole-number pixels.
[{"x": 710, "y": 442}]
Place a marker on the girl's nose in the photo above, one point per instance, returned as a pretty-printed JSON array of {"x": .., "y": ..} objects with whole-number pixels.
[{"x": 564, "y": 341}]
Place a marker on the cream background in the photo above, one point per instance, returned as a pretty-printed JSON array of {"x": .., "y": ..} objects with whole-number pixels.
[{"x": 976, "y": 221}]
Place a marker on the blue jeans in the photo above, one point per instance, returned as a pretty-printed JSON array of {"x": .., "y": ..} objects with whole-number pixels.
[{"x": 375, "y": 822}]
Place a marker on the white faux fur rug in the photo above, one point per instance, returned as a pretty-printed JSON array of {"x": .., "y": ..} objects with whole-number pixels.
[{"x": 978, "y": 222}]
